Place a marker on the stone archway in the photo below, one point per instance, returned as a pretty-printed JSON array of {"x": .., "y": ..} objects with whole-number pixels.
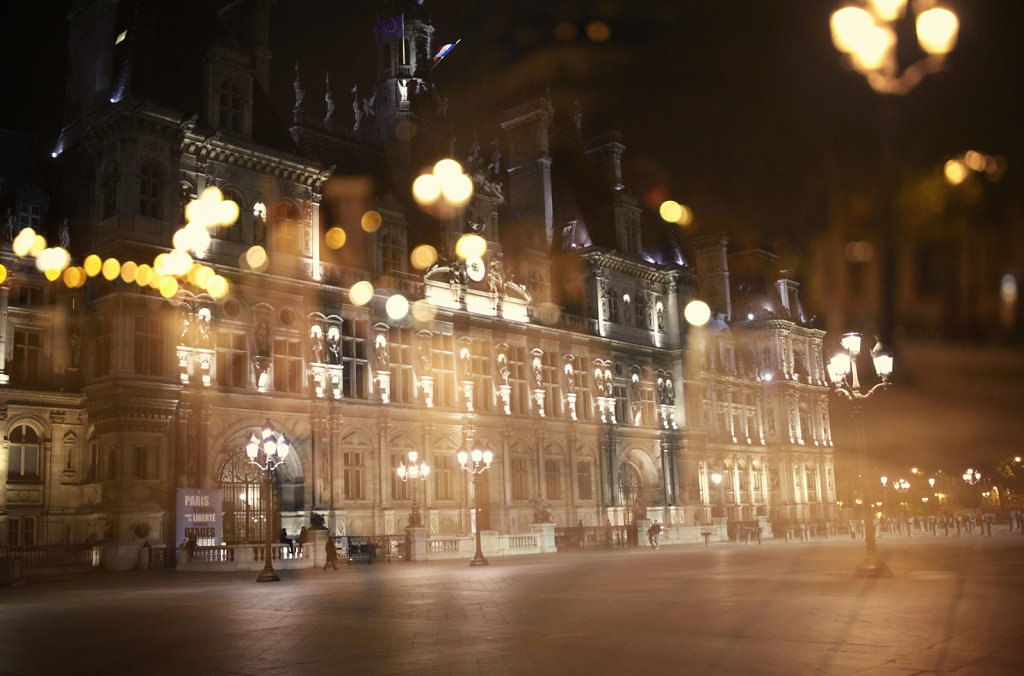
[{"x": 631, "y": 493}]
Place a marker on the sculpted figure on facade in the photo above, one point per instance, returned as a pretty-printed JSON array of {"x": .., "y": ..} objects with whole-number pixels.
[
  {"x": 316, "y": 343},
  {"x": 380, "y": 352},
  {"x": 569, "y": 375},
  {"x": 334, "y": 345}
]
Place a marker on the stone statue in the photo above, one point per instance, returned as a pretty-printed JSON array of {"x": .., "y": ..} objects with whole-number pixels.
[
  {"x": 334, "y": 345},
  {"x": 9, "y": 226},
  {"x": 203, "y": 321},
  {"x": 541, "y": 510},
  {"x": 329, "y": 100},
  {"x": 496, "y": 276},
  {"x": 473, "y": 157},
  {"x": 357, "y": 110},
  {"x": 380, "y": 353},
  {"x": 569, "y": 371},
  {"x": 262, "y": 337},
  {"x": 503, "y": 370},
  {"x": 403, "y": 90},
  {"x": 423, "y": 354},
  {"x": 64, "y": 235},
  {"x": 300, "y": 94},
  {"x": 316, "y": 344},
  {"x": 369, "y": 105},
  {"x": 185, "y": 329},
  {"x": 538, "y": 373}
]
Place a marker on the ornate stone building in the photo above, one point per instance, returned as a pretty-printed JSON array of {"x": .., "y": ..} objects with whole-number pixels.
[{"x": 565, "y": 351}]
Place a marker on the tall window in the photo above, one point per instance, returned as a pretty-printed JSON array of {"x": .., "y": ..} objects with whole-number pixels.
[
  {"x": 442, "y": 473},
  {"x": 518, "y": 370},
  {"x": 230, "y": 104},
  {"x": 232, "y": 360},
  {"x": 584, "y": 479},
  {"x": 287, "y": 365},
  {"x": 400, "y": 490},
  {"x": 102, "y": 346},
  {"x": 400, "y": 355},
  {"x": 443, "y": 361},
  {"x": 553, "y": 478},
  {"x": 108, "y": 190},
  {"x": 26, "y": 357},
  {"x": 614, "y": 300},
  {"x": 23, "y": 461},
  {"x": 584, "y": 395},
  {"x": 148, "y": 354},
  {"x": 286, "y": 228},
  {"x": 353, "y": 475},
  {"x": 21, "y": 531},
  {"x": 232, "y": 233},
  {"x": 520, "y": 482},
  {"x": 353, "y": 357},
  {"x": 95, "y": 472},
  {"x": 150, "y": 190},
  {"x": 30, "y": 215},
  {"x": 551, "y": 375},
  {"x": 621, "y": 404},
  {"x": 483, "y": 384},
  {"x": 390, "y": 253}
]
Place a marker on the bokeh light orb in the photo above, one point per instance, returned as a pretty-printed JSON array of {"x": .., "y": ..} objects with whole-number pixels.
[
  {"x": 92, "y": 265},
  {"x": 3, "y": 273},
  {"x": 143, "y": 274},
  {"x": 670, "y": 211},
  {"x": 111, "y": 269},
  {"x": 697, "y": 312},
  {"x": 371, "y": 221},
  {"x": 128, "y": 269},
  {"x": 256, "y": 257},
  {"x": 360, "y": 293},
  {"x": 423, "y": 256},
  {"x": 335, "y": 238},
  {"x": 426, "y": 189},
  {"x": 447, "y": 167},
  {"x": 52, "y": 274},
  {"x": 457, "y": 189},
  {"x": 168, "y": 287},
  {"x": 217, "y": 287},
  {"x": 397, "y": 307},
  {"x": 424, "y": 311},
  {"x": 470, "y": 246}
]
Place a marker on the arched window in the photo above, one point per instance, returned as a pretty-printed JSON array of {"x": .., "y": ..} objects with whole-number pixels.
[
  {"x": 245, "y": 502},
  {"x": 108, "y": 191},
  {"x": 24, "y": 461},
  {"x": 230, "y": 105},
  {"x": 233, "y": 232},
  {"x": 151, "y": 188}
]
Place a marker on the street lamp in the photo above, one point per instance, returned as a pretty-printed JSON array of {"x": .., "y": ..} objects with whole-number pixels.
[
  {"x": 268, "y": 451},
  {"x": 868, "y": 37},
  {"x": 842, "y": 371},
  {"x": 971, "y": 476},
  {"x": 885, "y": 496},
  {"x": 476, "y": 462},
  {"x": 414, "y": 471},
  {"x": 901, "y": 486},
  {"x": 717, "y": 506}
]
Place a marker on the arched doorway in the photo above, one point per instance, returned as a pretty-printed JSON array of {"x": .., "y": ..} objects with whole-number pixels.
[
  {"x": 245, "y": 505},
  {"x": 630, "y": 494}
]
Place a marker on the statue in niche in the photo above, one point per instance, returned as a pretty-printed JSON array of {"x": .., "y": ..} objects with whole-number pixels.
[
  {"x": 185, "y": 328},
  {"x": 369, "y": 105},
  {"x": 465, "y": 369},
  {"x": 538, "y": 373},
  {"x": 599, "y": 381},
  {"x": 423, "y": 357},
  {"x": 608, "y": 383},
  {"x": 503, "y": 370},
  {"x": 380, "y": 353},
  {"x": 73, "y": 340},
  {"x": 64, "y": 235},
  {"x": 204, "y": 320},
  {"x": 328, "y": 100},
  {"x": 316, "y": 343},
  {"x": 403, "y": 90},
  {"x": 262, "y": 337},
  {"x": 357, "y": 110},
  {"x": 334, "y": 345},
  {"x": 670, "y": 392},
  {"x": 569, "y": 371}
]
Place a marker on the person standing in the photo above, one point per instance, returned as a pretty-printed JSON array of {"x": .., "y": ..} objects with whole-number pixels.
[
  {"x": 654, "y": 535},
  {"x": 332, "y": 554}
]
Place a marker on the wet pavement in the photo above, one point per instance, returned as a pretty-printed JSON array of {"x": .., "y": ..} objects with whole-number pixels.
[{"x": 952, "y": 606}]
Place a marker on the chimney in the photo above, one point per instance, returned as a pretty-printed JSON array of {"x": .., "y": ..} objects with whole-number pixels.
[
  {"x": 713, "y": 273},
  {"x": 789, "y": 296},
  {"x": 606, "y": 154}
]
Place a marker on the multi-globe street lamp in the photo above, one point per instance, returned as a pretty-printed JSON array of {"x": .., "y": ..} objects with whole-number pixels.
[
  {"x": 414, "y": 471},
  {"x": 971, "y": 476},
  {"x": 901, "y": 486},
  {"x": 476, "y": 462},
  {"x": 268, "y": 452},
  {"x": 842, "y": 371}
]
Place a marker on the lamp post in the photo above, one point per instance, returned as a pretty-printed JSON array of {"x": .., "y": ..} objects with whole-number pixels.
[
  {"x": 268, "y": 452},
  {"x": 901, "y": 486},
  {"x": 885, "y": 496},
  {"x": 867, "y": 36},
  {"x": 414, "y": 471},
  {"x": 717, "y": 503},
  {"x": 842, "y": 371},
  {"x": 971, "y": 476},
  {"x": 476, "y": 462}
]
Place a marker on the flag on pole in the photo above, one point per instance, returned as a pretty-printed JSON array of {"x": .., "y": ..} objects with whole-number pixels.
[
  {"x": 443, "y": 52},
  {"x": 391, "y": 28}
]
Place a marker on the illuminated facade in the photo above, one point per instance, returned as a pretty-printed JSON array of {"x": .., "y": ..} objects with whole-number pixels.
[{"x": 565, "y": 353}]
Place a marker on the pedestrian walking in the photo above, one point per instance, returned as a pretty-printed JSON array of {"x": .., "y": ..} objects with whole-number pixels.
[
  {"x": 654, "y": 535},
  {"x": 303, "y": 539},
  {"x": 332, "y": 554}
]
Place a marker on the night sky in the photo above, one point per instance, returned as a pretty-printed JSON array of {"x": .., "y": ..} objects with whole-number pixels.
[{"x": 741, "y": 109}]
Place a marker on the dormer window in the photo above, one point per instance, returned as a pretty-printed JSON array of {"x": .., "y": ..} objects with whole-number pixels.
[{"x": 230, "y": 105}]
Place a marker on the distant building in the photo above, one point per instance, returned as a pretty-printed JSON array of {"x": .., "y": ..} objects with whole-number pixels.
[{"x": 564, "y": 350}]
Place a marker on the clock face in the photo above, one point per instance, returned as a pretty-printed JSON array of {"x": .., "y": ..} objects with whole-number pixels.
[{"x": 475, "y": 268}]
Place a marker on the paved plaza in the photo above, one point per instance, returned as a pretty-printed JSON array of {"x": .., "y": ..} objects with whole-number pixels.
[{"x": 953, "y": 606}]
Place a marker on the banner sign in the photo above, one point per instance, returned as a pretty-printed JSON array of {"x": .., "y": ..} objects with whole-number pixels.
[{"x": 199, "y": 514}]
